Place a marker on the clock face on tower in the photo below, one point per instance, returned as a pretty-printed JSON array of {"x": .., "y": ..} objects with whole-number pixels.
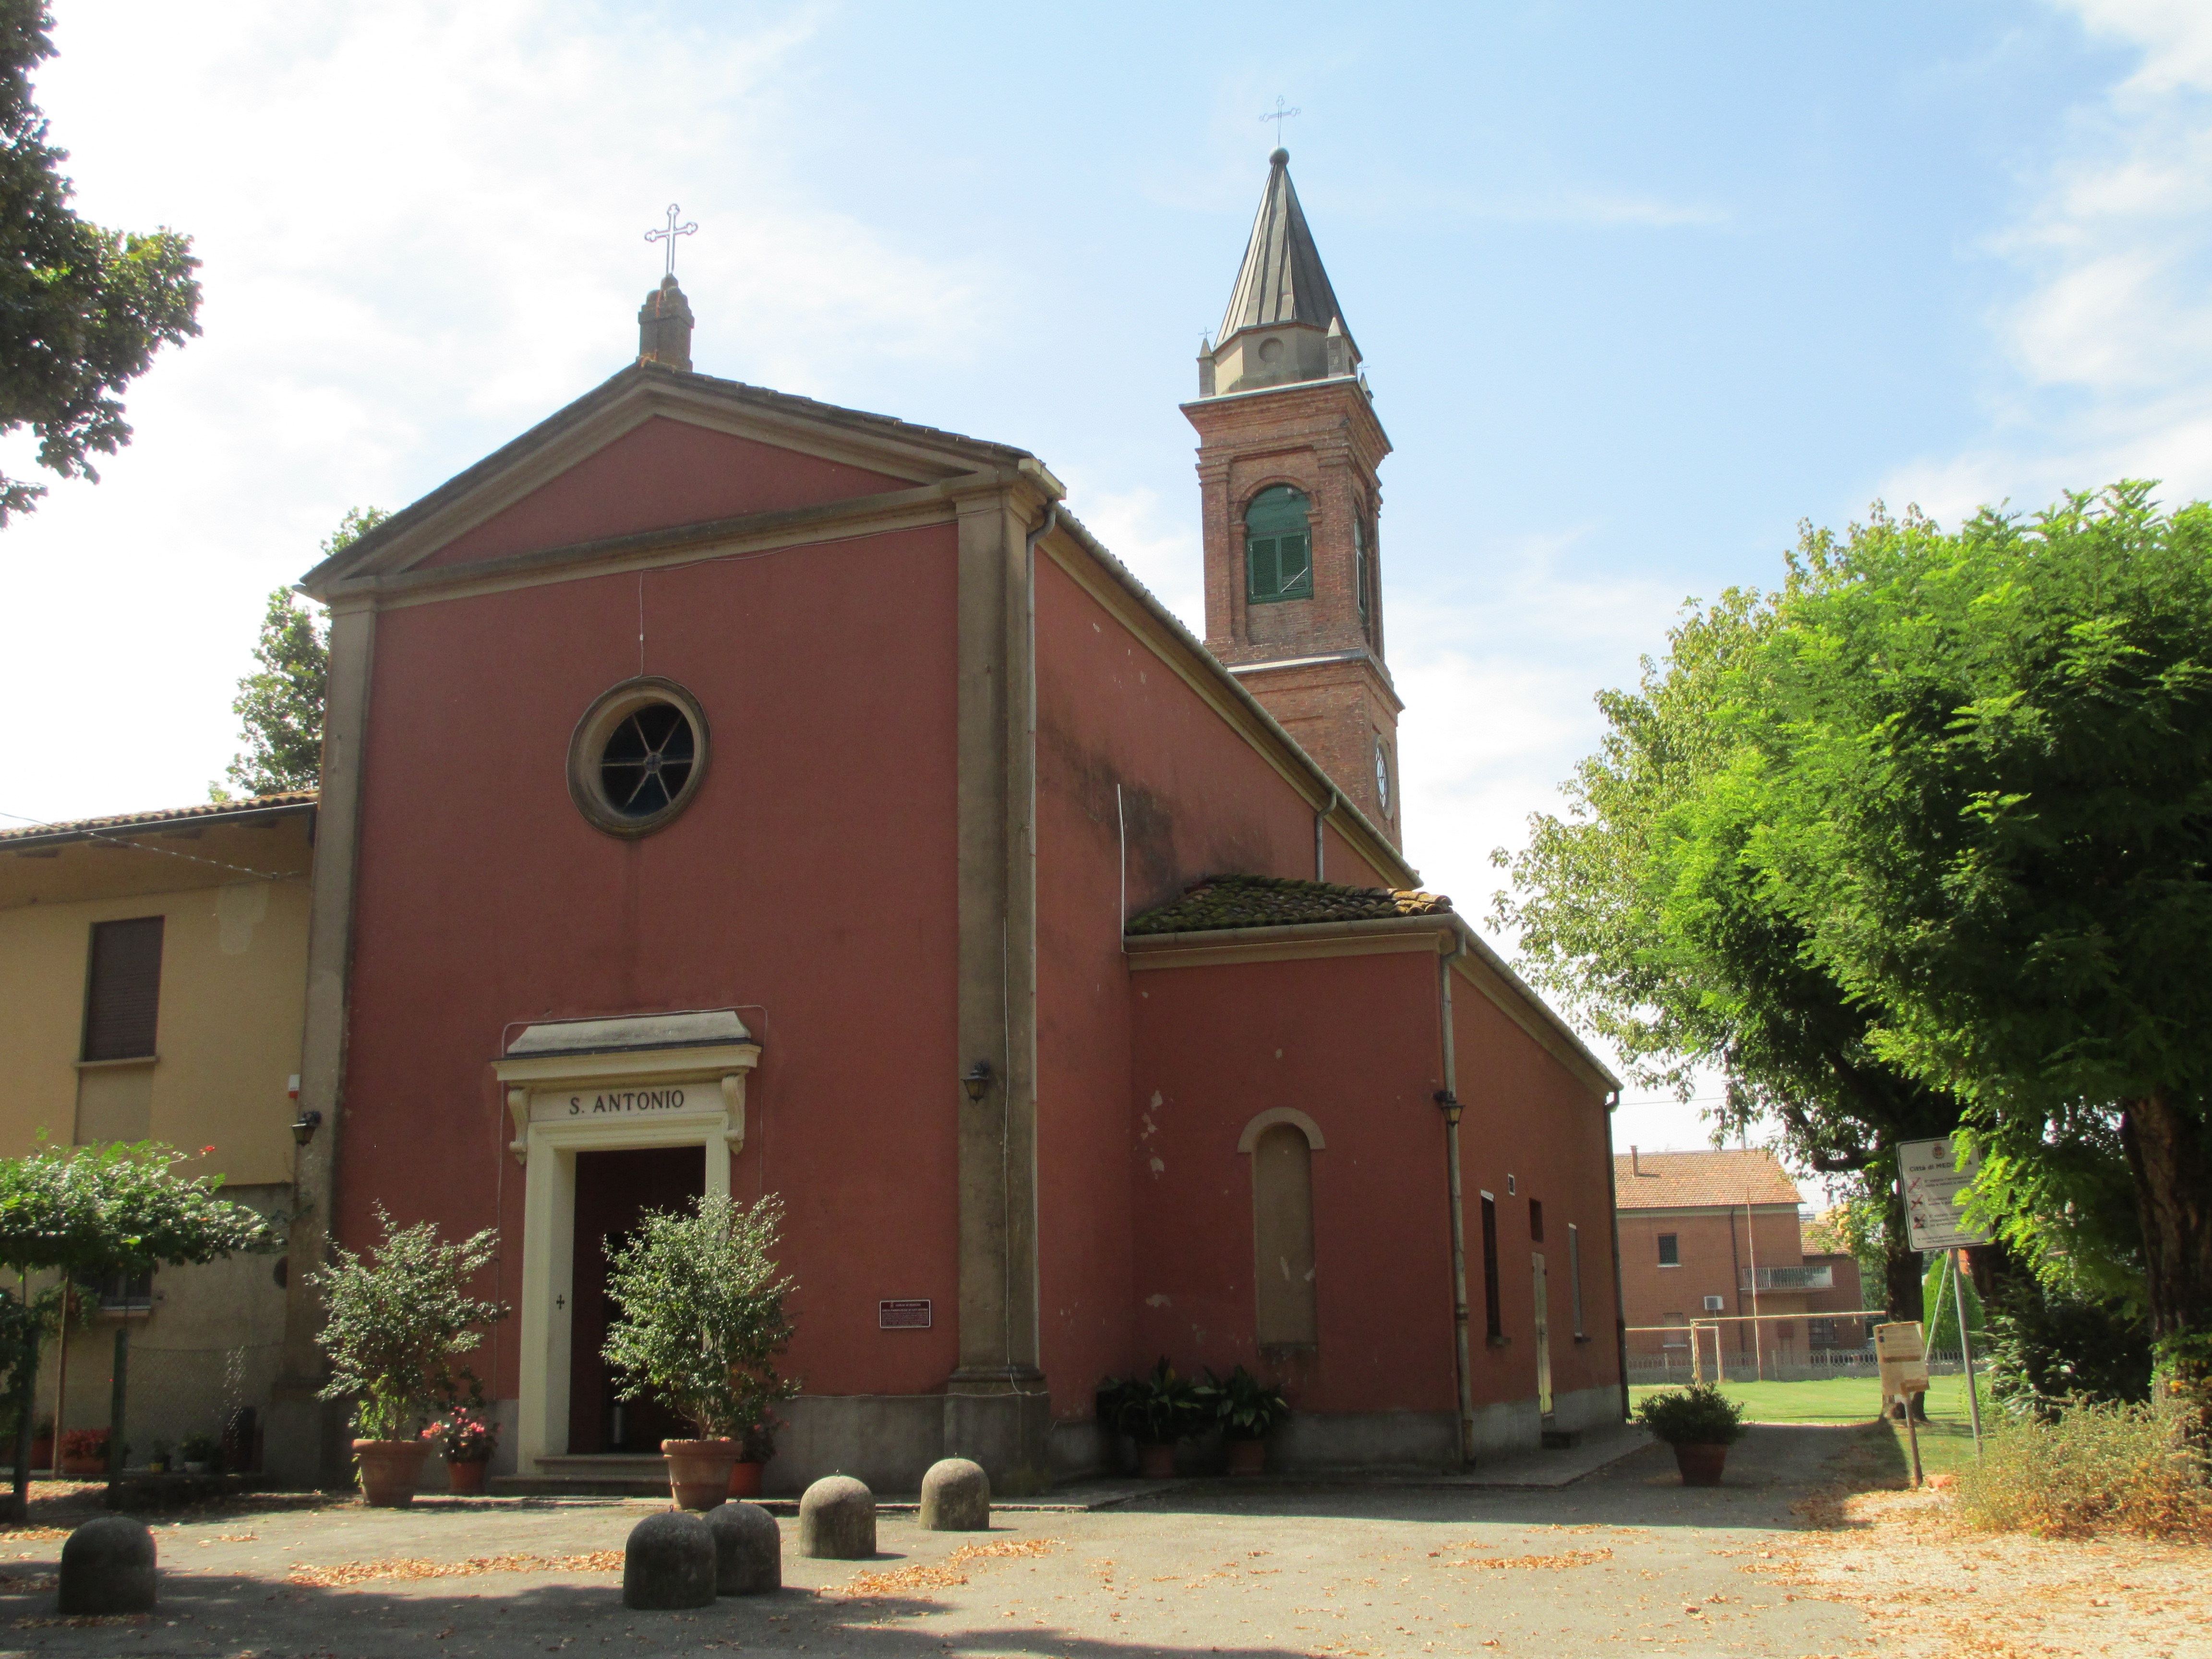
[{"x": 1383, "y": 777}]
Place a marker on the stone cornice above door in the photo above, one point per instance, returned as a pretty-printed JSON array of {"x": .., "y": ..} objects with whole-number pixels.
[{"x": 615, "y": 1059}]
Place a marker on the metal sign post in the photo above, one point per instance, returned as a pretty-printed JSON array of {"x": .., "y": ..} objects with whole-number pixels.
[
  {"x": 1901, "y": 1354},
  {"x": 1933, "y": 1182}
]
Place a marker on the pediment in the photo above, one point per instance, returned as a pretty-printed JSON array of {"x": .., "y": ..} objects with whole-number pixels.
[{"x": 654, "y": 449}]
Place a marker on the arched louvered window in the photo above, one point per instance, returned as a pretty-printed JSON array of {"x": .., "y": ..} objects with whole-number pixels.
[{"x": 1277, "y": 546}]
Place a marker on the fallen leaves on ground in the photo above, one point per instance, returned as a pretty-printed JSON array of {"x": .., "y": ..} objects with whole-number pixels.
[
  {"x": 32, "y": 1534},
  {"x": 361, "y": 1572},
  {"x": 940, "y": 1575},
  {"x": 1539, "y": 1563}
]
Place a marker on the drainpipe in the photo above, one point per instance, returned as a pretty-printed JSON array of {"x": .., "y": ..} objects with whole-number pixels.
[
  {"x": 1320, "y": 844},
  {"x": 1448, "y": 1098},
  {"x": 1619, "y": 1304}
]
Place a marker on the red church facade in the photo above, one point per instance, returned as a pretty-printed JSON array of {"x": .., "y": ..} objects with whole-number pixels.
[{"x": 897, "y": 940}]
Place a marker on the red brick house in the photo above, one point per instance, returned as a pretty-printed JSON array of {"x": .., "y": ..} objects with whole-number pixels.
[
  {"x": 810, "y": 797},
  {"x": 1715, "y": 1235}
]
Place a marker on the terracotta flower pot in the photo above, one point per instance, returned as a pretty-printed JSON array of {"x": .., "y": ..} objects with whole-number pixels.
[
  {"x": 42, "y": 1453},
  {"x": 745, "y": 1479},
  {"x": 389, "y": 1470},
  {"x": 1701, "y": 1465},
  {"x": 467, "y": 1479},
  {"x": 1247, "y": 1456},
  {"x": 699, "y": 1471},
  {"x": 1155, "y": 1462}
]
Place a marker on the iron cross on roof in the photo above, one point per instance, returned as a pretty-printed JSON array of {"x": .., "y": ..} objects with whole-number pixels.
[
  {"x": 1278, "y": 115},
  {"x": 670, "y": 234}
]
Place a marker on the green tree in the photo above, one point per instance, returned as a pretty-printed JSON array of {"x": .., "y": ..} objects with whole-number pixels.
[
  {"x": 396, "y": 1323},
  {"x": 1981, "y": 771},
  {"x": 87, "y": 1212},
  {"x": 1638, "y": 910},
  {"x": 83, "y": 310},
  {"x": 280, "y": 704}
]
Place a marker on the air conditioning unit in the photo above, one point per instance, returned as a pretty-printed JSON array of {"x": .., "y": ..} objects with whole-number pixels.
[{"x": 1714, "y": 1303}]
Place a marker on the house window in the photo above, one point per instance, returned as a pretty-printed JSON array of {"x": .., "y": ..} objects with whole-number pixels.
[
  {"x": 1282, "y": 1235},
  {"x": 638, "y": 757},
  {"x": 1493, "y": 1315},
  {"x": 1278, "y": 547},
  {"x": 1820, "y": 1332},
  {"x": 1536, "y": 1221},
  {"x": 1670, "y": 1250},
  {"x": 123, "y": 991},
  {"x": 1574, "y": 1272},
  {"x": 117, "y": 1293}
]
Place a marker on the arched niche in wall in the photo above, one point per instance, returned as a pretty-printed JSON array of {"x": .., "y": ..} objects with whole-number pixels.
[{"x": 1281, "y": 1143}]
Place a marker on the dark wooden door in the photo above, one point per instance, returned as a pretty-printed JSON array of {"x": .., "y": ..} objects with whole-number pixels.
[{"x": 611, "y": 1189}]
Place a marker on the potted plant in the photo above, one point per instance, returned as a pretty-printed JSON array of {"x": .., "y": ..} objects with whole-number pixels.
[
  {"x": 755, "y": 1445},
  {"x": 700, "y": 1322},
  {"x": 1248, "y": 1411},
  {"x": 158, "y": 1463},
  {"x": 465, "y": 1437},
  {"x": 1156, "y": 1411},
  {"x": 196, "y": 1452},
  {"x": 84, "y": 1451},
  {"x": 1700, "y": 1423},
  {"x": 395, "y": 1324},
  {"x": 42, "y": 1444}
]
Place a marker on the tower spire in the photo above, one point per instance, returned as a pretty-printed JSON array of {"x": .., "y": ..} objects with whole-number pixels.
[
  {"x": 1282, "y": 288},
  {"x": 1288, "y": 451}
]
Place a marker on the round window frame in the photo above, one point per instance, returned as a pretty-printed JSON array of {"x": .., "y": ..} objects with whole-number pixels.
[{"x": 587, "y": 751}]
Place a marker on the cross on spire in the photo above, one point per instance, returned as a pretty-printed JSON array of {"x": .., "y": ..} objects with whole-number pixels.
[
  {"x": 1278, "y": 115},
  {"x": 675, "y": 230}
]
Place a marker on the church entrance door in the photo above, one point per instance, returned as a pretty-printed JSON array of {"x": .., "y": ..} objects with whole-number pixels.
[{"x": 612, "y": 1190}]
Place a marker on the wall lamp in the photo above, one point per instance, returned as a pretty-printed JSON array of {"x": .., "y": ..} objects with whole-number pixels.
[
  {"x": 1449, "y": 1104},
  {"x": 304, "y": 1127},
  {"x": 977, "y": 1082}
]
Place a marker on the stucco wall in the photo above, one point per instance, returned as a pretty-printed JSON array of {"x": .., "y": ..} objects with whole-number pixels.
[
  {"x": 1195, "y": 798},
  {"x": 234, "y": 954},
  {"x": 810, "y": 882}
]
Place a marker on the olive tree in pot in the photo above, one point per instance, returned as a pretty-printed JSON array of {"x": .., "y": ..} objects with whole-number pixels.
[
  {"x": 701, "y": 1322},
  {"x": 1248, "y": 1411},
  {"x": 395, "y": 1324},
  {"x": 1700, "y": 1423},
  {"x": 1156, "y": 1411}
]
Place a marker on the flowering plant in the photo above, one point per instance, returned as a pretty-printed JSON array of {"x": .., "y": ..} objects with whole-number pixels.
[
  {"x": 83, "y": 1444},
  {"x": 465, "y": 1431}
]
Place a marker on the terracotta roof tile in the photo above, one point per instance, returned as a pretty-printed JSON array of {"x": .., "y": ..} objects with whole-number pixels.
[
  {"x": 1281, "y": 902},
  {"x": 81, "y": 826},
  {"x": 1684, "y": 1181}
]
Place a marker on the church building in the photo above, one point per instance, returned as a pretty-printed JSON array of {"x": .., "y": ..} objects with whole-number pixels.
[{"x": 810, "y": 795}]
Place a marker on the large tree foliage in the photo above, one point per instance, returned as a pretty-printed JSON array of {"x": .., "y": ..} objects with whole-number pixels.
[
  {"x": 1638, "y": 910},
  {"x": 1980, "y": 766},
  {"x": 280, "y": 704},
  {"x": 83, "y": 310}
]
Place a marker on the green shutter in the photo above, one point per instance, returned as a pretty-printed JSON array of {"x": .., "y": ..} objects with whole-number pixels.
[{"x": 1277, "y": 546}]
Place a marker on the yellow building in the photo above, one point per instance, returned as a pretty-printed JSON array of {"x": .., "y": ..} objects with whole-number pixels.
[{"x": 153, "y": 984}]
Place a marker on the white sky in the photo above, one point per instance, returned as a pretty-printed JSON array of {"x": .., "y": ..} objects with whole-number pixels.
[{"x": 1637, "y": 292}]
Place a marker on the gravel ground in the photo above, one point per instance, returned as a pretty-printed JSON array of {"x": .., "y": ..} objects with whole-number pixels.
[{"x": 1624, "y": 1561}]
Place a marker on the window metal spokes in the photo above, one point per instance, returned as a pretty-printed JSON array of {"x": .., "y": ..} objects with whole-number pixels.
[{"x": 646, "y": 760}]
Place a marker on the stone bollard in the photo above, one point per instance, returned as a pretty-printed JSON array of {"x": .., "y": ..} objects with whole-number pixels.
[
  {"x": 107, "y": 1566},
  {"x": 668, "y": 1562},
  {"x": 837, "y": 1520},
  {"x": 956, "y": 1497},
  {"x": 748, "y": 1549}
]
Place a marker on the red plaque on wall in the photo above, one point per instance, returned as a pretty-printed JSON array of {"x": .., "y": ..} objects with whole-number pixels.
[{"x": 909, "y": 1315}]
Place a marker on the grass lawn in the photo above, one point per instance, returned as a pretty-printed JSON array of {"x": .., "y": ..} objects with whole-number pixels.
[{"x": 1947, "y": 1440}]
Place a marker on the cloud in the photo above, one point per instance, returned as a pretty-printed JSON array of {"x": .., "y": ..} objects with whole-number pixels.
[
  {"x": 2110, "y": 336},
  {"x": 421, "y": 227}
]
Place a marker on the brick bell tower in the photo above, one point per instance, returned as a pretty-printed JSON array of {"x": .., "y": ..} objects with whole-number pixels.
[{"x": 1287, "y": 452}]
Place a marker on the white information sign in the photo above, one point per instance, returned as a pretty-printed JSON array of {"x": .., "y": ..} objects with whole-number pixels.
[{"x": 1933, "y": 1184}]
